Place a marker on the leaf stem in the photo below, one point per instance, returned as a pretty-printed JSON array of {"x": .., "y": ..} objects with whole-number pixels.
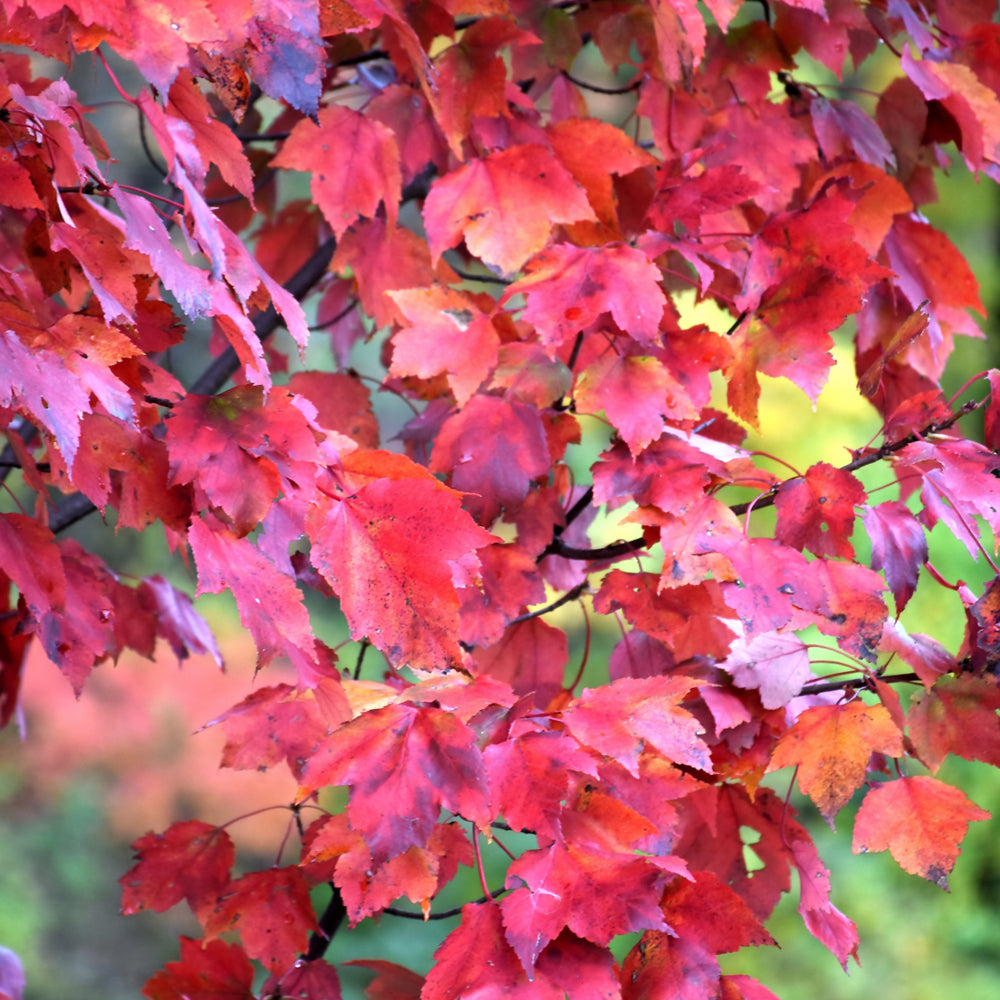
[
  {"x": 586, "y": 652},
  {"x": 570, "y": 595},
  {"x": 114, "y": 79}
]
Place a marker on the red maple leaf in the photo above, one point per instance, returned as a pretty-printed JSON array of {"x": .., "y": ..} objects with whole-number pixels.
[
  {"x": 956, "y": 716},
  {"x": 775, "y": 663},
  {"x": 620, "y": 719},
  {"x": 899, "y": 546},
  {"x": 816, "y": 512},
  {"x": 387, "y": 539},
  {"x": 661, "y": 965},
  {"x": 475, "y": 959},
  {"x": 381, "y": 260},
  {"x": 688, "y": 620},
  {"x": 831, "y": 746},
  {"x": 530, "y": 657},
  {"x": 391, "y": 982},
  {"x": 493, "y": 449},
  {"x": 595, "y": 894},
  {"x": 920, "y": 820},
  {"x": 504, "y": 205},
  {"x": 207, "y": 970},
  {"x": 281, "y": 723},
  {"x": 190, "y": 861},
  {"x": 530, "y": 777},
  {"x": 421, "y": 759},
  {"x": 353, "y": 162},
  {"x": 268, "y": 601},
  {"x": 315, "y": 978},
  {"x": 636, "y": 394},
  {"x": 447, "y": 334},
  {"x": 567, "y": 288},
  {"x": 272, "y": 912}
]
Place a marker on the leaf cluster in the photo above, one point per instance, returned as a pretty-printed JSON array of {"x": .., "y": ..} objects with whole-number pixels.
[{"x": 515, "y": 241}]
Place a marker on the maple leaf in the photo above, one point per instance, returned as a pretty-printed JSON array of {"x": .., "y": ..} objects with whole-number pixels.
[
  {"x": 146, "y": 231},
  {"x": 842, "y": 126},
  {"x": 708, "y": 914},
  {"x": 920, "y": 820},
  {"x": 852, "y": 609},
  {"x": 418, "y": 873},
  {"x": 582, "y": 970},
  {"x": 476, "y": 76},
  {"x": 620, "y": 719},
  {"x": 342, "y": 402},
  {"x": 240, "y": 450},
  {"x": 510, "y": 581},
  {"x": 391, "y": 982},
  {"x": 743, "y": 988},
  {"x": 619, "y": 475},
  {"x": 567, "y": 288},
  {"x": 639, "y": 655},
  {"x": 280, "y": 723},
  {"x": 492, "y": 448},
  {"x": 822, "y": 919},
  {"x": 129, "y": 469},
  {"x": 449, "y": 335},
  {"x": 315, "y": 978},
  {"x": 177, "y": 621},
  {"x": 475, "y": 959},
  {"x": 353, "y": 163},
  {"x": 899, "y": 546},
  {"x": 927, "y": 656},
  {"x": 383, "y": 259},
  {"x": 27, "y": 381},
  {"x": 422, "y": 759},
  {"x": 930, "y": 268},
  {"x": 972, "y": 104},
  {"x": 547, "y": 759},
  {"x": 636, "y": 394},
  {"x": 191, "y": 861},
  {"x": 956, "y": 716},
  {"x": 660, "y": 965},
  {"x": 207, "y": 970},
  {"x": 689, "y": 620},
  {"x": 594, "y": 152},
  {"x": 531, "y": 657},
  {"x": 795, "y": 307},
  {"x": 774, "y": 663},
  {"x": 594, "y": 894},
  {"x": 504, "y": 205},
  {"x": 368, "y": 544},
  {"x": 831, "y": 746},
  {"x": 273, "y": 913},
  {"x": 816, "y": 512},
  {"x": 30, "y": 558},
  {"x": 269, "y": 603}
]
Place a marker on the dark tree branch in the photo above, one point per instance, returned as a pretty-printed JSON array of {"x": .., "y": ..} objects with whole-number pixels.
[
  {"x": 819, "y": 687},
  {"x": 329, "y": 924},
  {"x": 558, "y": 548},
  {"x": 570, "y": 595},
  {"x": 576, "y": 510},
  {"x": 627, "y": 89},
  {"x": 879, "y": 455},
  {"x": 225, "y": 365}
]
